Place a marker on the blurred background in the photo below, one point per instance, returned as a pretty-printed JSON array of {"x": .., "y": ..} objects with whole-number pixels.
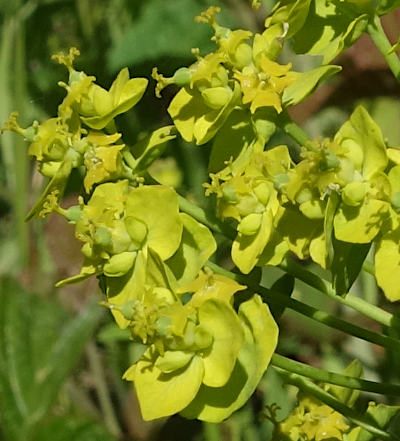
[{"x": 61, "y": 356}]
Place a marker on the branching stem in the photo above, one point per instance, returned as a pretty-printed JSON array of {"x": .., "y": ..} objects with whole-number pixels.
[
  {"x": 276, "y": 298},
  {"x": 375, "y": 313},
  {"x": 381, "y": 41},
  {"x": 325, "y": 376}
]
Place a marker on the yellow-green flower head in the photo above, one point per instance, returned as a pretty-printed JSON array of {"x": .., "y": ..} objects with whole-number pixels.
[
  {"x": 366, "y": 199},
  {"x": 231, "y": 44},
  {"x": 49, "y": 142},
  {"x": 120, "y": 221},
  {"x": 249, "y": 191},
  {"x": 251, "y": 198},
  {"x": 263, "y": 83},
  {"x": 196, "y": 346},
  {"x": 322, "y": 170},
  {"x": 311, "y": 421},
  {"x": 95, "y": 105},
  {"x": 234, "y": 45},
  {"x": 102, "y": 159},
  {"x": 236, "y": 197},
  {"x": 102, "y": 224}
]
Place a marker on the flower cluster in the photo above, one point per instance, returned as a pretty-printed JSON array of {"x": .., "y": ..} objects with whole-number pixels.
[
  {"x": 343, "y": 191},
  {"x": 241, "y": 73},
  {"x": 311, "y": 421},
  {"x": 202, "y": 355},
  {"x": 200, "y": 346},
  {"x": 204, "y": 358},
  {"x": 73, "y": 139}
]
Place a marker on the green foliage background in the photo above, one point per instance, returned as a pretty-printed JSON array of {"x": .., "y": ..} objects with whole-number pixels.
[{"x": 61, "y": 359}]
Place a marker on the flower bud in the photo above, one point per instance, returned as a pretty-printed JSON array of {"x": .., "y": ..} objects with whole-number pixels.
[
  {"x": 250, "y": 224},
  {"x": 102, "y": 237},
  {"x": 173, "y": 360},
  {"x": 73, "y": 214},
  {"x": 304, "y": 195},
  {"x": 329, "y": 162},
  {"x": 137, "y": 230},
  {"x": 263, "y": 192},
  {"x": 182, "y": 77},
  {"x": 216, "y": 97},
  {"x": 119, "y": 264},
  {"x": 229, "y": 194},
  {"x": 243, "y": 55},
  {"x": 354, "y": 193},
  {"x": 313, "y": 209},
  {"x": 49, "y": 168},
  {"x": 87, "y": 250}
]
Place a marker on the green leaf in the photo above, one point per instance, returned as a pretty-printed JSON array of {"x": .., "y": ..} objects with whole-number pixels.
[
  {"x": 162, "y": 394},
  {"x": 124, "y": 93},
  {"x": 39, "y": 346},
  {"x": 347, "y": 264},
  {"x": 330, "y": 28},
  {"x": 363, "y": 138},
  {"x": 196, "y": 246},
  {"x": 232, "y": 140},
  {"x": 148, "y": 149},
  {"x": 385, "y": 6},
  {"x": 195, "y": 121},
  {"x": 220, "y": 320},
  {"x": 157, "y": 207},
  {"x": 284, "y": 287},
  {"x": 274, "y": 251},
  {"x": 360, "y": 224},
  {"x": 68, "y": 428},
  {"x": 387, "y": 263},
  {"x": 246, "y": 249},
  {"x": 381, "y": 415},
  {"x": 298, "y": 231},
  {"x": 56, "y": 186},
  {"x": 306, "y": 82},
  {"x": 292, "y": 12},
  {"x": 343, "y": 394},
  {"x": 261, "y": 335}
]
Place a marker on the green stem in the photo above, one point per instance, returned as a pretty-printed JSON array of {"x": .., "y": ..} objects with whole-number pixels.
[
  {"x": 110, "y": 419},
  {"x": 21, "y": 158},
  {"x": 381, "y": 41},
  {"x": 129, "y": 159},
  {"x": 328, "y": 399},
  {"x": 332, "y": 378},
  {"x": 211, "y": 432},
  {"x": 276, "y": 298},
  {"x": 293, "y": 130},
  {"x": 369, "y": 267},
  {"x": 379, "y": 315},
  {"x": 210, "y": 221}
]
